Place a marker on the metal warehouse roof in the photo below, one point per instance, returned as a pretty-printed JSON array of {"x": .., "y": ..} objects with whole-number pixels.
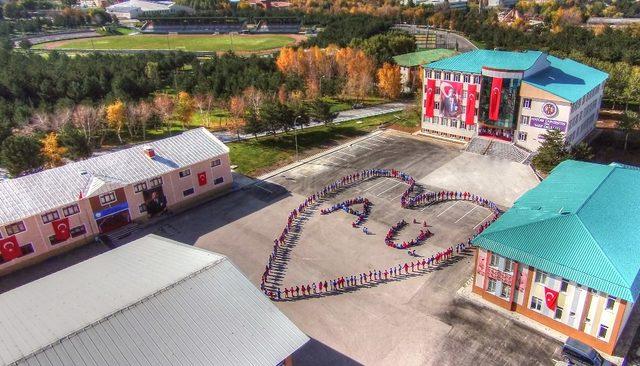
[
  {"x": 580, "y": 223},
  {"x": 474, "y": 61},
  {"x": 49, "y": 189},
  {"x": 422, "y": 57},
  {"x": 151, "y": 302},
  {"x": 567, "y": 79}
]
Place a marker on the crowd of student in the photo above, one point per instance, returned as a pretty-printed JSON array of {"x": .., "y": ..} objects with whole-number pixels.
[
  {"x": 405, "y": 200},
  {"x": 405, "y": 244},
  {"x": 346, "y": 206}
]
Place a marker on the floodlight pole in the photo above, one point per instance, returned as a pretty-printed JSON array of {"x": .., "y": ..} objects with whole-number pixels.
[{"x": 295, "y": 135}]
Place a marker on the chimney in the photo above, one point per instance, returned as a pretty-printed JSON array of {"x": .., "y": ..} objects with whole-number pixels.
[{"x": 149, "y": 152}]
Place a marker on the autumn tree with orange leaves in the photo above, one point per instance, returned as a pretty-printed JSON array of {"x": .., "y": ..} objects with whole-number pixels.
[{"x": 389, "y": 80}]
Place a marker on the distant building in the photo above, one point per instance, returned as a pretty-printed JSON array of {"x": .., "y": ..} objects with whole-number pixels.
[
  {"x": 614, "y": 22},
  {"x": 411, "y": 65},
  {"x": 567, "y": 254},
  {"x": 51, "y": 211},
  {"x": 150, "y": 302},
  {"x": 453, "y": 4},
  {"x": 501, "y": 3},
  {"x": 512, "y": 96},
  {"x": 136, "y": 8}
]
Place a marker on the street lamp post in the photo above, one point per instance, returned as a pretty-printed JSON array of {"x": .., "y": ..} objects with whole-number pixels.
[{"x": 295, "y": 135}]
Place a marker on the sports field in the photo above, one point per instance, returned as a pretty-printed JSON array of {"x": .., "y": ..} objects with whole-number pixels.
[{"x": 183, "y": 42}]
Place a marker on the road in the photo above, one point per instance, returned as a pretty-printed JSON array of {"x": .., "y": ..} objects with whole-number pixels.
[
  {"x": 445, "y": 39},
  {"x": 348, "y": 115}
]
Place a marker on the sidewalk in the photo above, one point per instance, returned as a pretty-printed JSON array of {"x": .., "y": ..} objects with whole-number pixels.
[{"x": 344, "y": 116}]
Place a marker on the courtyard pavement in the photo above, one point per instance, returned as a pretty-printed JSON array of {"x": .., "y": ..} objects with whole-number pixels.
[{"x": 415, "y": 320}]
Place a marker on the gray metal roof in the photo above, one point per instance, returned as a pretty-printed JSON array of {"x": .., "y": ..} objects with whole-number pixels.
[
  {"x": 40, "y": 192},
  {"x": 151, "y": 302}
]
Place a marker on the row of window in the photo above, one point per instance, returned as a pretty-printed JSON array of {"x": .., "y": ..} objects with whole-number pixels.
[
  {"x": 74, "y": 232},
  {"x": 187, "y": 192},
  {"x": 536, "y": 304},
  {"x": 507, "y": 266},
  {"x": 155, "y": 182},
  {"x": 505, "y": 289},
  {"x": 450, "y": 122},
  {"x": 54, "y": 215},
  {"x": 541, "y": 277},
  {"x": 455, "y": 76},
  {"x": 588, "y": 96}
]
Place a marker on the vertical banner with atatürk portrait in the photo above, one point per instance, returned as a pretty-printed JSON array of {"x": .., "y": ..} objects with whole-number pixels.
[
  {"x": 450, "y": 99},
  {"x": 155, "y": 200}
]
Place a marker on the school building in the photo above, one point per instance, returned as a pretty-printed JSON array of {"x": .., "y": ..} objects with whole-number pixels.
[
  {"x": 567, "y": 254},
  {"x": 57, "y": 209},
  {"x": 511, "y": 96},
  {"x": 154, "y": 302},
  {"x": 411, "y": 66}
]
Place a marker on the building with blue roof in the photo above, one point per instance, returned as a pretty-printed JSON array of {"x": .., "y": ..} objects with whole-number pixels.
[
  {"x": 567, "y": 254},
  {"x": 514, "y": 96}
]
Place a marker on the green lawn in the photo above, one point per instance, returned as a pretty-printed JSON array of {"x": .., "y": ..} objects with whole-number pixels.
[
  {"x": 241, "y": 43},
  {"x": 257, "y": 156}
]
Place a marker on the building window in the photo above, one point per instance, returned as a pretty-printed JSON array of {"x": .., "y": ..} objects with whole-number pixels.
[
  {"x": 430, "y": 74},
  {"x": 541, "y": 277},
  {"x": 215, "y": 163},
  {"x": 185, "y": 173},
  {"x": 506, "y": 291},
  {"x": 522, "y": 136},
  {"x": 437, "y": 91},
  {"x": 611, "y": 301},
  {"x": 50, "y": 216},
  {"x": 447, "y": 76},
  {"x": 526, "y": 103},
  {"x": 54, "y": 241},
  {"x": 508, "y": 265},
  {"x": 187, "y": 192},
  {"x": 436, "y": 105},
  {"x": 476, "y": 79},
  {"x": 438, "y": 75},
  {"x": 494, "y": 260},
  {"x": 453, "y": 123},
  {"x": 558, "y": 314},
  {"x": 564, "y": 286},
  {"x": 466, "y": 78},
  {"x": 443, "y": 121},
  {"x": 602, "y": 332},
  {"x": 464, "y": 95},
  {"x": 142, "y": 208},
  {"x": 27, "y": 249},
  {"x": 218, "y": 181},
  {"x": 491, "y": 285},
  {"x": 524, "y": 120},
  {"x": 15, "y": 228},
  {"x": 142, "y": 186},
  {"x": 70, "y": 210},
  {"x": 155, "y": 182},
  {"x": 77, "y": 231},
  {"x": 536, "y": 303},
  {"x": 436, "y": 120},
  {"x": 456, "y": 77},
  {"x": 107, "y": 198}
]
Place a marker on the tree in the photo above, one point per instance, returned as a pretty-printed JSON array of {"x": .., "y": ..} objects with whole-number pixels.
[
  {"x": 138, "y": 116},
  {"x": 25, "y": 44},
  {"x": 86, "y": 120},
  {"x": 551, "y": 152},
  {"x": 116, "y": 117},
  {"x": 628, "y": 124},
  {"x": 185, "y": 108},
  {"x": 165, "y": 105},
  {"x": 21, "y": 153},
  {"x": 275, "y": 116},
  {"x": 389, "y": 81},
  {"x": 52, "y": 152},
  {"x": 75, "y": 141},
  {"x": 321, "y": 110},
  {"x": 205, "y": 103},
  {"x": 582, "y": 151}
]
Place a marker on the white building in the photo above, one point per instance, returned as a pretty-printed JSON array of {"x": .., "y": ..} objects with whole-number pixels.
[
  {"x": 151, "y": 302},
  {"x": 512, "y": 96},
  {"x": 135, "y": 8}
]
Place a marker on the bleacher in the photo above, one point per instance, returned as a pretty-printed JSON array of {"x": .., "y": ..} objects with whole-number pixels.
[
  {"x": 194, "y": 25},
  {"x": 278, "y": 25}
]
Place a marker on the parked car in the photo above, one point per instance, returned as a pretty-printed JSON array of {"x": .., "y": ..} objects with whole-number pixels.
[{"x": 577, "y": 353}]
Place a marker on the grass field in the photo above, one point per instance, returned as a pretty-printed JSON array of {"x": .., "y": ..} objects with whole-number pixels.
[{"x": 214, "y": 43}]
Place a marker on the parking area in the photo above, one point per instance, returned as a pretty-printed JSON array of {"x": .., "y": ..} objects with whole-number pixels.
[{"x": 416, "y": 320}]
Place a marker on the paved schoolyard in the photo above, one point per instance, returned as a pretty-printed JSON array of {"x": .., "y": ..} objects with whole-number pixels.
[{"x": 413, "y": 320}]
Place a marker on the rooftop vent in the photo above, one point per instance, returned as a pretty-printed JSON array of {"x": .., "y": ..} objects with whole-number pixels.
[{"x": 149, "y": 151}]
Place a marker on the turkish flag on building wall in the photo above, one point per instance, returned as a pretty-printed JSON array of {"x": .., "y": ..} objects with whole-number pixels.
[
  {"x": 495, "y": 98},
  {"x": 10, "y": 249},
  {"x": 61, "y": 229},
  {"x": 471, "y": 104},
  {"x": 430, "y": 92},
  {"x": 202, "y": 178},
  {"x": 550, "y": 297}
]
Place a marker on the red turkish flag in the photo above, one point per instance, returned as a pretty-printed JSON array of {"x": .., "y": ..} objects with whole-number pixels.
[
  {"x": 61, "y": 229},
  {"x": 471, "y": 104},
  {"x": 430, "y": 92},
  {"x": 202, "y": 178},
  {"x": 550, "y": 297},
  {"x": 494, "y": 100},
  {"x": 10, "y": 249}
]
